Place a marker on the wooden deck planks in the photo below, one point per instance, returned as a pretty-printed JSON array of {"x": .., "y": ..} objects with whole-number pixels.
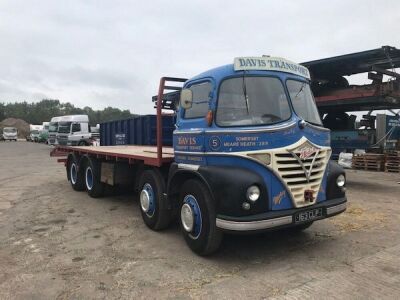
[
  {"x": 147, "y": 154},
  {"x": 145, "y": 151}
]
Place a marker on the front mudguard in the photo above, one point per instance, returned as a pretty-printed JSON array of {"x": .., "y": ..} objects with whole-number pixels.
[
  {"x": 227, "y": 185},
  {"x": 332, "y": 190}
]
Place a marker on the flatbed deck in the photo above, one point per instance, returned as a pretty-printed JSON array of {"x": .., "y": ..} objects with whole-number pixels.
[{"x": 132, "y": 153}]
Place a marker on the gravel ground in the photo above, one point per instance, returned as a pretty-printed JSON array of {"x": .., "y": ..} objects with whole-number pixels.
[{"x": 59, "y": 244}]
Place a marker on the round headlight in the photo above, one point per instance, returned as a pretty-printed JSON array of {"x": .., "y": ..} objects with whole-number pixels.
[
  {"x": 253, "y": 193},
  {"x": 340, "y": 180}
]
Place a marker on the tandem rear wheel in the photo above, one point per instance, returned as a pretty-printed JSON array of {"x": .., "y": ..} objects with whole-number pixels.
[
  {"x": 197, "y": 218},
  {"x": 92, "y": 172},
  {"x": 155, "y": 214},
  {"x": 75, "y": 174}
]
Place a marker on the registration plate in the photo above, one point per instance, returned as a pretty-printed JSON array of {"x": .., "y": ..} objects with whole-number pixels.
[{"x": 308, "y": 215}]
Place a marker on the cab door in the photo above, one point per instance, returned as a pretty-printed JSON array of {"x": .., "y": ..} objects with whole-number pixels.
[{"x": 191, "y": 123}]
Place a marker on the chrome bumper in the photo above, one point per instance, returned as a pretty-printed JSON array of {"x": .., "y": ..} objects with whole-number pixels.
[
  {"x": 271, "y": 223},
  {"x": 254, "y": 225}
]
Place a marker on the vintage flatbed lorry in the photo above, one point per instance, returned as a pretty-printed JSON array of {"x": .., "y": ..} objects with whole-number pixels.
[{"x": 249, "y": 154}]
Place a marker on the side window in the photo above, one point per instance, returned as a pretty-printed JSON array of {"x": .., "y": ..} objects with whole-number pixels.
[
  {"x": 201, "y": 98},
  {"x": 84, "y": 127},
  {"x": 76, "y": 127}
]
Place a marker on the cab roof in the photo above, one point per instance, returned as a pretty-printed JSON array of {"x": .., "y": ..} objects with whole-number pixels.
[
  {"x": 55, "y": 119},
  {"x": 74, "y": 118},
  {"x": 224, "y": 71}
]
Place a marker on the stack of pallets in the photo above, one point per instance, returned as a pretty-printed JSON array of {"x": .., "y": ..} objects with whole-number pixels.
[
  {"x": 392, "y": 161},
  {"x": 368, "y": 161}
]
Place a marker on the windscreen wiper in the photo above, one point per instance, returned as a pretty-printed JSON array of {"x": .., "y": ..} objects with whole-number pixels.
[
  {"x": 300, "y": 90},
  {"x": 246, "y": 97}
]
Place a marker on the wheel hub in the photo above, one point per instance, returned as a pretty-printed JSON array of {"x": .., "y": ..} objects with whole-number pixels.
[
  {"x": 73, "y": 174},
  {"x": 187, "y": 217},
  {"x": 145, "y": 201},
  {"x": 89, "y": 178}
]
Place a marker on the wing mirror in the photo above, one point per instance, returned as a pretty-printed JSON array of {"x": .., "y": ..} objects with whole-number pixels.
[{"x": 186, "y": 98}]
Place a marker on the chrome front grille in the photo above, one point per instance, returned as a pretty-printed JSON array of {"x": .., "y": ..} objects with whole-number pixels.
[{"x": 302, "y": 174}]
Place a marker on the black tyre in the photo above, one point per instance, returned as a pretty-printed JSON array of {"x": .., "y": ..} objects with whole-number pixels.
[
  {"x": 94, "y": 186},
  {"x": 81, "y": 143},
  {"x": 197, "y": 218},
  {"x": 75, "y": 174},
  {"x": 154, "y": 213}
]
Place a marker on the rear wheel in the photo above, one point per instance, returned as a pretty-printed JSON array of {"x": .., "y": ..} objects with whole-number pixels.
[
  {"x": 75, "y": 175},
  {"x": 197, "y": 218},
  {"x": 94, "y": 186},
  {"x": 155, "y": 215}
]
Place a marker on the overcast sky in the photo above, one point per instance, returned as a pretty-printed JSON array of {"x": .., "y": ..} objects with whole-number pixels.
[{"x": 112, "y": 53}]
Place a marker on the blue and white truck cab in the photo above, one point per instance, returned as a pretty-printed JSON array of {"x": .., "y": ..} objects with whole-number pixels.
[
  {"x": 249, "y": 154},
  {"x": 251, "y": 132}
]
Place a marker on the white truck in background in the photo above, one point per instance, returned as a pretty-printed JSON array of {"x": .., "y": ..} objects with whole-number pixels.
[
  {"x": 10, "y": 134},
  {"x": 53, "y": 129},
  {"x": 45, "y": 126},
  {"x": 74, "y": 130}
]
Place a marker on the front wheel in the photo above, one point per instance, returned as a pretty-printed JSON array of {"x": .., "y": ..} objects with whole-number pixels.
[{"x": 197, "y": 218}]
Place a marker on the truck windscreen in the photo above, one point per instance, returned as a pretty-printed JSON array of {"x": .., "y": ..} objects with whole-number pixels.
[
  {"x": 53, "y": 127},
  {"x": 64, "y": 127},
  {"x": 246, "y": 101},
  {"x": 303, "y": 101},
  {"x": 9, "y": 130}
]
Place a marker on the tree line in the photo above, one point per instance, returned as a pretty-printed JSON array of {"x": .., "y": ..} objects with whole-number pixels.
[{"x": 43, "y": 111}]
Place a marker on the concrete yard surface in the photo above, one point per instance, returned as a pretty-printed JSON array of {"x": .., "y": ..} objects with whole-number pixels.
[{"x": 56, "y": 243}]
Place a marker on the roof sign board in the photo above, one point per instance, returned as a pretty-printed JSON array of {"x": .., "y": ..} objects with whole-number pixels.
[{"x": 268, "y": 63}]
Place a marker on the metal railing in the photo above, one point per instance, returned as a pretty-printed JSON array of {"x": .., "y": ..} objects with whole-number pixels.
[{"x": 160, "y": 105}]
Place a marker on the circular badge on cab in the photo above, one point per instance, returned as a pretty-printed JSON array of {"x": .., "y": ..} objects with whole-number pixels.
[{"x": 215, "y": 143}]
